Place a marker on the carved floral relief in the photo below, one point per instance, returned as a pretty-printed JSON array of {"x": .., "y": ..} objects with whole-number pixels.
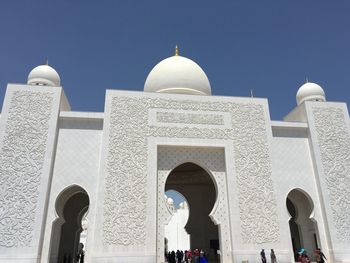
[
  {"x": 125, "y": 199},
  {"x": 21, "y": 163},
  {"x": 334, "y": 142}
]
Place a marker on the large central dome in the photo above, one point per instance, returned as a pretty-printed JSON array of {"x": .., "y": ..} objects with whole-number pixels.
[{"x": 179, "y": 75}]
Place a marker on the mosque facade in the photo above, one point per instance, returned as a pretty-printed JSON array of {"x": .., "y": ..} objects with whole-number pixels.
[{"x": 250, "y": 182}]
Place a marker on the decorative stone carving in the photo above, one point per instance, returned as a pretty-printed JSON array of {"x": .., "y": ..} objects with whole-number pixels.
[
  {"x": 21, "y": 163},
  {"x": 334, "y": 142},
  {"x": 127, "y": 164},
  {"x": 125, "y": 195},
  {"x": 190, "y": 118},
  {"x": 257, "y": 201}
]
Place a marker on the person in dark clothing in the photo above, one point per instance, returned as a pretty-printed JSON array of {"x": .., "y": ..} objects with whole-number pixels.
[
  {"x": 273, "y": 256},
  {"x": 178, "y": 256},
  {"x": 172, "y": 257},
  {"x": 320, "y": 257},
  {"x": 263, "y": 257}
]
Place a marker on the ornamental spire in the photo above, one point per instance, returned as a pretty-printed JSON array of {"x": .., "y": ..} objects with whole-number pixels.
[{"x": 176, "y": 50}]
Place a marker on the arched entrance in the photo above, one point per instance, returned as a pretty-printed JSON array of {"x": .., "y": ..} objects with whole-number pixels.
[
  {"x": 210, "y": 162},
  {"x": 197, "y": 186},
  {"x": 71, "y": 206},
  {"x": 303, "y": 227}
]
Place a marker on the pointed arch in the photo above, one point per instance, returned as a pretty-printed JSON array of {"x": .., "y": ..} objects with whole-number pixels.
[
  {"x": 303, "y": 226},
  {"x": 198, "y": 186},
  {"x": 71, "y": 205},
  {"x": 201, "y": 167}
]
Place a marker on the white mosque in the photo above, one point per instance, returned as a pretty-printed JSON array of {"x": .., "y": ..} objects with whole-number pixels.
[
  {"x": 250, "y": 182},
  {"x": 176, "y": 236}
]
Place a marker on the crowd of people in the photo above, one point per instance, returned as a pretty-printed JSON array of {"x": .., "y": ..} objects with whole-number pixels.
[
  {"x": 187, "y": 256},
  {"x": 301, "y": 256},
  {"x": 304, "y": 258}
]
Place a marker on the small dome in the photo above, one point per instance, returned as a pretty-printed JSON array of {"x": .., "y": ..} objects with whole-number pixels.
[
  {"x": 178, "y": 75},
  {"x": 170, "y": 201},
  {"x": 183, "y": 205},
  {"x": 44, "y": 75},
  {"x": 310, "y": 92}
]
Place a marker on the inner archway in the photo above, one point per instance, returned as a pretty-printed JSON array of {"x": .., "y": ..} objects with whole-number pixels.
[
  {"x": 303, "y": 228},
  {"x": 198, "y": 188},
  {"x": 71, "y": 206}
]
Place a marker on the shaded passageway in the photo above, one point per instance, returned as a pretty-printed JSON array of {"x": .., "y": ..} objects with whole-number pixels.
[
  {"x": 197, "y": 186},
  {"x": 303, "y": 228},
  {"x": 71, "y": 206}
]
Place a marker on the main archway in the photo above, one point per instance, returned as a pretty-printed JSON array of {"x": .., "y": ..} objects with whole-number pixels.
[
  {"x": 209, "y": 161},
  {"x": 196, "y": 185}
]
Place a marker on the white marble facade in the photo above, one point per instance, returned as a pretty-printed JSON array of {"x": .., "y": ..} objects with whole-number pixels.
[
  {"x": 175, "y": 234},
  {"x": 113, "y": 167}
]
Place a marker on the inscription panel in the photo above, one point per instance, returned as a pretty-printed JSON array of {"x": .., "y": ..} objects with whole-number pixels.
[{"x": 190, "y": 118}]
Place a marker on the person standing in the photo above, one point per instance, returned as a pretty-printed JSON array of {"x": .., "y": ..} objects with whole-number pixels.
[
  {"x": 82, "y": 256},
  {"x": 189, "y": 257},
  {"x": 273, "y": 256},
  {"x": 196, "y": 255},
  {"x": 317, "y": 256},
  {"x": 172, "y": 256},
  {"x": 262, "y": 255},
  {"x": 320, "y": 257},
  {"x": 202, "y": 258},
  {"x": 303, "y": 258}
]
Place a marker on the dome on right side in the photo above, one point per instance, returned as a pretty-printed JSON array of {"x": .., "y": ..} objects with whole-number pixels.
[{"x": 310, "y": 92}]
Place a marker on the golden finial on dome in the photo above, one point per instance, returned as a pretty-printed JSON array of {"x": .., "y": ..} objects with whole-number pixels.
[{"x": 176, "y": 50}]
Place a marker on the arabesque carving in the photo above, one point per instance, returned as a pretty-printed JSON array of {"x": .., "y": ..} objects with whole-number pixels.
[
  {"x": 21, "y": 163},
  {"x": 334, "y": 142},
  {"x": 127, "y": 165}
]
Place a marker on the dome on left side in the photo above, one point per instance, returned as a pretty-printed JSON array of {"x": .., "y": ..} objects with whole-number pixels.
[{"x": 44, "y": 75}]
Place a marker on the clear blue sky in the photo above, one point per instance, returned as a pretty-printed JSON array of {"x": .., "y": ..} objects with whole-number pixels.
[{"x": 268, "y": 46}]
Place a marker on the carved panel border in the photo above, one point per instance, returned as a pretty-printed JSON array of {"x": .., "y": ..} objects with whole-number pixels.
[
  {"x": 334, "y": 142},
  {"x": 125, "y": 194},
  {"x": 21, "y": 163},
  {"x": 127, "y": 164}
]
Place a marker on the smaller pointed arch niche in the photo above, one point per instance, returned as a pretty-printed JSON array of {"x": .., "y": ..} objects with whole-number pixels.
[
  {"x": 302, "y": 225},
  {"x": 71, "y": 206}
]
